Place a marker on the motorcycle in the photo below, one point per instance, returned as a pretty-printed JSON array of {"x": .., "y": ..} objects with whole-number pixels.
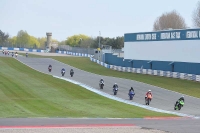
[
  {"x": 26, "y": 54},
  {"x": 63, "y": 72},
  {"x": 50, "y": 69},
  {"x": 178, "y": 105},
  {"x": 72, "y": 73},
  {"x": 115, "y": 90},
  {"x": 101, "y": 85},
  {"x": 131, "y": 95},
  {"x": 148, "y": 99}
]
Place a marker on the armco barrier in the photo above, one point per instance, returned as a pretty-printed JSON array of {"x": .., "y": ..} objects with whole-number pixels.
[
  {"x": 24, "y": 49},
  {"x": 154, "y": 72}
]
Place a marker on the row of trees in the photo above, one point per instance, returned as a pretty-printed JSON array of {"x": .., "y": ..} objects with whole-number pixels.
[
  {"x": 174, "y": 20},
  {"x": 22, "y": 39},
  {"x": 86, "y": 41}
]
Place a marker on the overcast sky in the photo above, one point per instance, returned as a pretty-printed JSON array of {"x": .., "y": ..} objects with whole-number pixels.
[{"x": 65, "y": 18}]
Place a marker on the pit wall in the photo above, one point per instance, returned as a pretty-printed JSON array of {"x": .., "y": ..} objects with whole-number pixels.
[{"x": 180, "y": 67}]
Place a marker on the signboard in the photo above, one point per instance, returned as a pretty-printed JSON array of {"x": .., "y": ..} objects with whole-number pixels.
[{"x": 189, "y": 34}]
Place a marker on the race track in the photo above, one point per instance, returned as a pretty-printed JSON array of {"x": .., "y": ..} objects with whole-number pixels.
[{"x": 162, "y": 99}]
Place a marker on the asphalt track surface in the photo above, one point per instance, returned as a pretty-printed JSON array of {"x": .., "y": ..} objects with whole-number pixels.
[{"x": 162, "y": 99}]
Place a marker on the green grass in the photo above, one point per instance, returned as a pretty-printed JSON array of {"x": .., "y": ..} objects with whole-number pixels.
[
  {"x": 25, "y": 92},
  {"x": 191, "y": 88}
]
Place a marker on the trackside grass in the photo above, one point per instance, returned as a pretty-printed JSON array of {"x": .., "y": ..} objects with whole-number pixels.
[{"x": 25, "y": 92}]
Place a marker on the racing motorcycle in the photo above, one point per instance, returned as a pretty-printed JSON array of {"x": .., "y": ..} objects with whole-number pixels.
[
  {"x": 101, "y": 85},
  {"x": 63, "y": 72},
  {"x": 115, "y": 90},
  {"x": 71, "y": 73},
  {"x": 50, "y": 69},
  {"x": 178, "y": 105},
  {"x": 131, "y": 95},
  {"x": 148, "y": 99}
]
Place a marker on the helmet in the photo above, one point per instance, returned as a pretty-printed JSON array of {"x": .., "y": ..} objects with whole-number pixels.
[
  {"x": 149, "y": 90},
  {"x": 131, "y": 87},
  {"x": 115, "y": 83},
  {"x": 101, "y": 78},
  {"x": 182, "y": 96}
]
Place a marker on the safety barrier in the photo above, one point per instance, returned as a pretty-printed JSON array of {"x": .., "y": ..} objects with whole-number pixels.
[{"x": 24, "y": 49}]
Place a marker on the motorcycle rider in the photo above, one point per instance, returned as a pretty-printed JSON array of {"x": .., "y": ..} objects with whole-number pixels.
[
  {"x": 131, "y": 91},
  {"x": 63, "y": 69},
  {"x": 148, "y": 93},
  {"x": 181, "y": 98},
  {"x": 16, "y": 54},
  {"x": 115, "y": 86},
  {"x": 71, "y": 71},
  {"x": 50, "y": 66},
  {"x": 26, "y": 54},
  {"x": 101, "y": 80}
]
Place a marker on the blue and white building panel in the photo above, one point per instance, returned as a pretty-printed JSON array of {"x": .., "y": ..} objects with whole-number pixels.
[{"x": 171, "y": 45}]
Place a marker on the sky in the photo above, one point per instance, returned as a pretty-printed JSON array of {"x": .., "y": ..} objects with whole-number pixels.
[{"x": 110, "y": 18}]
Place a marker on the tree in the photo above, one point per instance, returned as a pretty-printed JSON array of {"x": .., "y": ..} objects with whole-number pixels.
[
  {"x": 116, "y": 43},
  {"x": 76, "y": 40},
  {"x": 12, "y": 41},
  {"x": 86, "y": 43},
  {"x": 33, "y": 42},
  {"x": 169, "y": 20},
  {"x": 196, "y": 15},
  {"x": 3, "y": 37},
  {"x": 42, "y": 41},
  {"x": 23, "y": 38}
]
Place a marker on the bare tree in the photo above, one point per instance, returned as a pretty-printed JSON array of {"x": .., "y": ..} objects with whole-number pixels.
[
  {"x": 196, "y": 15},
  {"x": 169, "y": 20}
]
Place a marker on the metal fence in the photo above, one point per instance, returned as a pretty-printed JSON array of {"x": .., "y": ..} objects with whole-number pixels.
[{"x": 76, "y": 49}]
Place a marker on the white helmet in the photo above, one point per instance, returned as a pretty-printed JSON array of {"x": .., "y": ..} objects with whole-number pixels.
[
  {"x": 149, "y": 90},
  {"x": 115, "y": 83}
]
